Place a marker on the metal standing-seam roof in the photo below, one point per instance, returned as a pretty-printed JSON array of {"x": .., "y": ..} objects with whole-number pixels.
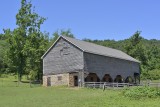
[{"x": 96, "y": 49}]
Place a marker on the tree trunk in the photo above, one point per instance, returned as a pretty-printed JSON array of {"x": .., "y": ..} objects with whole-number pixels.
[{"x": 19, "y": 75}]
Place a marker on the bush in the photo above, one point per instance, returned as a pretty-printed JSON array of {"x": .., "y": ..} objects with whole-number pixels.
[
  {"x": 3, "y": 75},
  {"x": 152, "y": 75},
  {"x": 141, "y": 92}
]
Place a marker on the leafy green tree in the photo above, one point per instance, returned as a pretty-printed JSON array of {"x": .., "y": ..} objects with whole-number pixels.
[
  {"x": 34, "y": 48},
  {"x": 66, "y": 33},
  {"x": 26, "y": 43},
  {"x": 3, "y": 47},
  {"x": 135, "y": 48},
  {"x": 2, "y": 37},
  {"x": 153, "y": 57},
  {"x": 54, "y": 38},
  {"x": 36, "y": 41}
]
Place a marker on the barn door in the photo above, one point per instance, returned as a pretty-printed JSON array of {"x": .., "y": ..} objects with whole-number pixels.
[
  {"x": 75, "y": 80},
  {"x": 48, "y": 81}
]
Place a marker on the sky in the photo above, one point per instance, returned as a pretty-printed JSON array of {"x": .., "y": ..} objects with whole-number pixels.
[{"x": 93, "y": 19}]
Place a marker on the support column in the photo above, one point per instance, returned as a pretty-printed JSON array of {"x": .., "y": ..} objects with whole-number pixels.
[
  {"x": 113, "y": 76},
  {"x": 80, "y": 78},
  {"x": 100, "y": 75}
]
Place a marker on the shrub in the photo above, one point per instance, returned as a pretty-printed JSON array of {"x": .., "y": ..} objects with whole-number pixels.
[
  {"x": 3, "y": 75},
  {"x": 141, "y": 92},
  {"x": 152, "y": 75}
]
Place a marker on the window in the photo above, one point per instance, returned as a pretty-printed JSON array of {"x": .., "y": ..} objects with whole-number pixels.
[
  {"x": 59, "y": 78},
  {"x": 64, "y": 51}
]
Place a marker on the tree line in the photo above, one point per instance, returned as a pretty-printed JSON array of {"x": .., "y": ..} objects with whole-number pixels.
[{"x": 22, "y": 48}]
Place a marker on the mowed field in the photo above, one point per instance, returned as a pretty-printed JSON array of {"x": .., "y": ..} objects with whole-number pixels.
[{"x": 12, "y": 95}]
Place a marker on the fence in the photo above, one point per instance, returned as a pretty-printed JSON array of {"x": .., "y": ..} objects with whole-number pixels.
[
  {"x": 106, "y": 84},
  {"x": 117, "y": 85},
  {"x": 151, "y": 84},
  {"x": 94, "y": 84}
]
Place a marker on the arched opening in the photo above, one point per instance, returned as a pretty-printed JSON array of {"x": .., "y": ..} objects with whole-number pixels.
[
  {"x": 118, "y": 79},
  {"x": 129, "y": 79},
  {"x": 107, "y": 78},
  {"x": 92, "y": 77}
]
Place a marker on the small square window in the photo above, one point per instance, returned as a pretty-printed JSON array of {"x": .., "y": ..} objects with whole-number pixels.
[{"x": 59, "y": 78}]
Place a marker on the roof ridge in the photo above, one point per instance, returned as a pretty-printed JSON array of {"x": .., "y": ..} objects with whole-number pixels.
[{"x": 92, "y": 43}]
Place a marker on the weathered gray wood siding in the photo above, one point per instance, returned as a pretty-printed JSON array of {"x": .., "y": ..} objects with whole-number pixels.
[
  {"x": 63, "y": 57},
  {"x": 102, "y": 65}
]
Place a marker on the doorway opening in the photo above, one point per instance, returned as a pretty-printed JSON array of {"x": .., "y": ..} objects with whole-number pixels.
[{"x": 75, "y": 80}]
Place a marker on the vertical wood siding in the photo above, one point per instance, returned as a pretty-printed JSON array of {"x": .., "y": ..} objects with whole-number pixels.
[
  {"x": 102, "y": 65},
  {"x": 63, "y": 57}
]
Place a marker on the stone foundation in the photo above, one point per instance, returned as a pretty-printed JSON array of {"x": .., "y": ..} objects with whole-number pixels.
[{"x": 59, "y": 79}]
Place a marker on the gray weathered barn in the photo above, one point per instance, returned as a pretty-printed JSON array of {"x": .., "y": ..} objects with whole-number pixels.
[{"x": 71, "y": 62}]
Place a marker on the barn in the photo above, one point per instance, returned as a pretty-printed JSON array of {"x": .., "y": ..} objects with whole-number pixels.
[{"x": 72, "y": 62}]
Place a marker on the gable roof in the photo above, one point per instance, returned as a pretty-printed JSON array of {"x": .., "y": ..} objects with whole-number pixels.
[{"x": 95, "y": 49}]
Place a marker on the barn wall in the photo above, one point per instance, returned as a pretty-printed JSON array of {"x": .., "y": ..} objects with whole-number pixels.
[
  {"x": 58, "y": 79},
  {"x": 102, "y": 65},
  {"x": 63, "y": 57},
  {"x": 64, "y": 79}
]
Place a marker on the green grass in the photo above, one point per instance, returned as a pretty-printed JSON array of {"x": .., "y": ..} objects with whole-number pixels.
[{"x": 24, "y": 96}]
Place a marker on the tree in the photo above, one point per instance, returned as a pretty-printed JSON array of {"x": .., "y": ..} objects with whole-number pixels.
[
  {"x": 153, "y": 57},
  {"x": 135, "y": 48},
  {"x": 54, "y": 38},
  {"x": 66, "y": 33},
  {"x": 3, "y": 47},
  {"x": 26, "y": 42},
  {"x": 34, "y": 48}
]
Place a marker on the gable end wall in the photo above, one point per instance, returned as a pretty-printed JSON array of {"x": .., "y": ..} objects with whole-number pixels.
[{"x": 63, "y": 57}]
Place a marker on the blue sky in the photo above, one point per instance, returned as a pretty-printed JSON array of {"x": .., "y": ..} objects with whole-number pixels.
[{"x": 93, "y": 19}]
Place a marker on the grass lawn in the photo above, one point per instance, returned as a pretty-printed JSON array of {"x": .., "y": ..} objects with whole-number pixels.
[{"x": 24, "y": 96}]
